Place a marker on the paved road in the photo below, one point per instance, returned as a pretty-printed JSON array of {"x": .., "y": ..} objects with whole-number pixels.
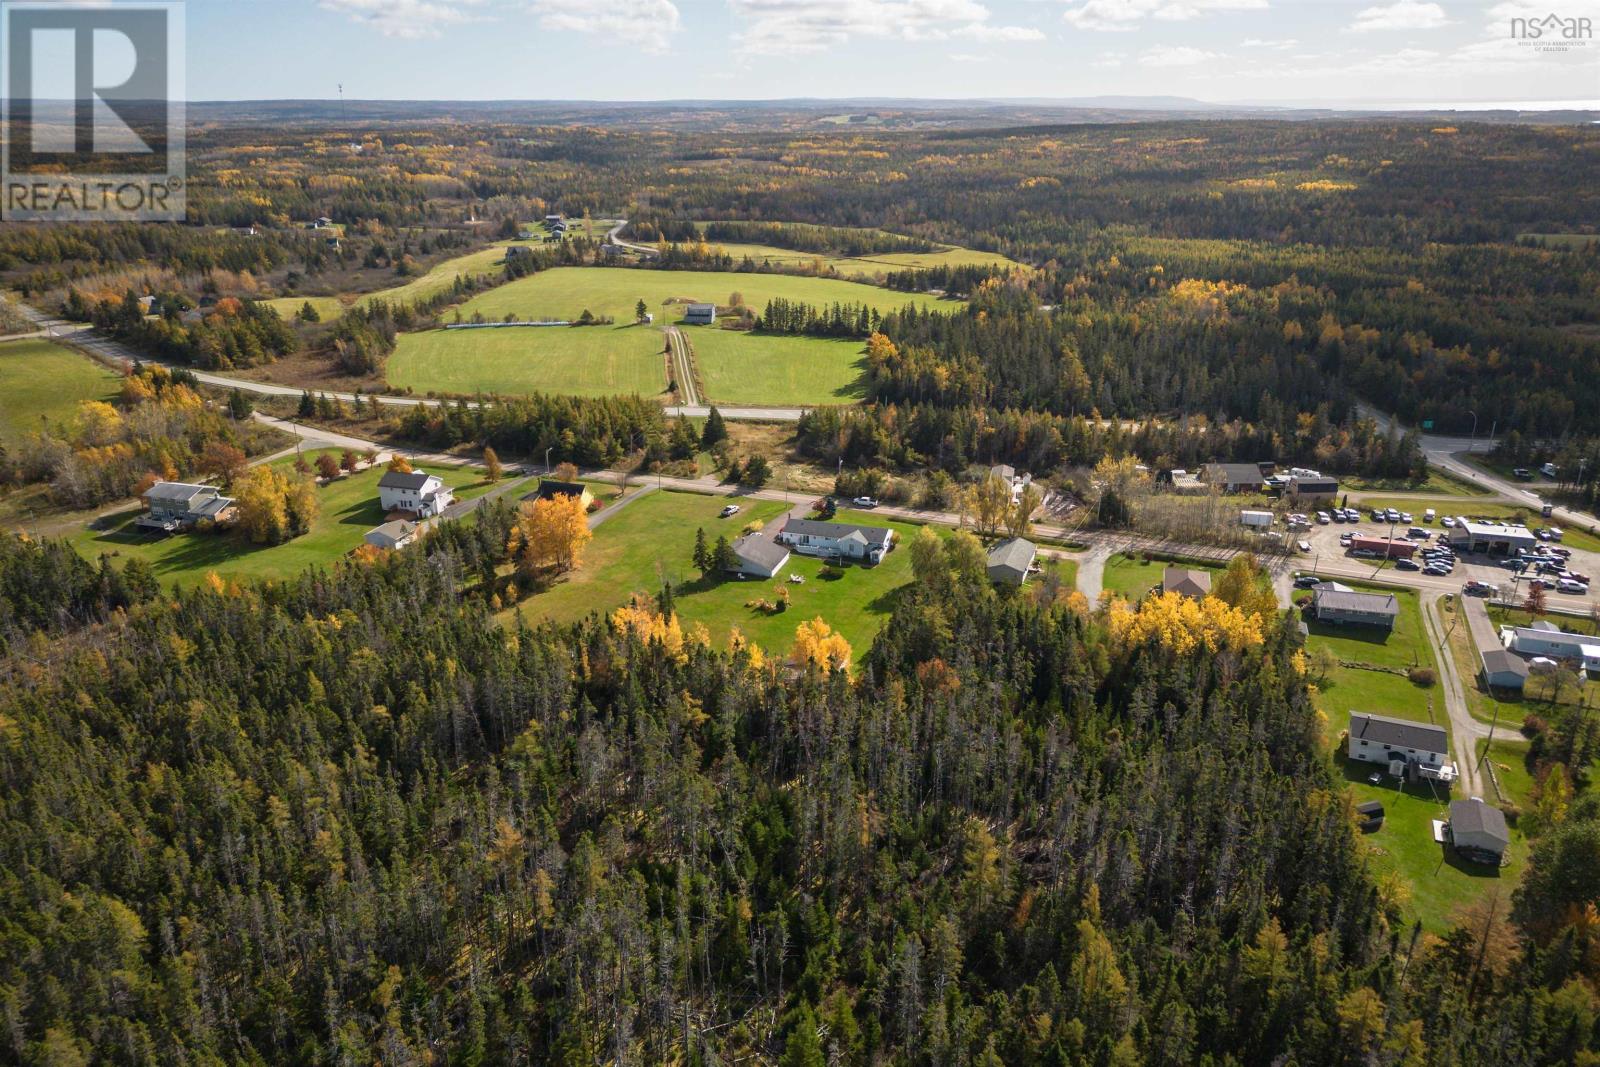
[{"x": 612, "y": 238}]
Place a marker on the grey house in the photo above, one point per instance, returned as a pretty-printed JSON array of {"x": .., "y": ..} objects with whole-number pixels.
[
  {"x": 397, "y": 533},
  {"x": 1478, "y": 830},
  {"x": 1503, "y": 670},
  {"x": 1010, "y": 559},
  {"x": 176, "y": 505},
  {"x": 700, "y": 314},
  {"x": 1355, "y": 609}
]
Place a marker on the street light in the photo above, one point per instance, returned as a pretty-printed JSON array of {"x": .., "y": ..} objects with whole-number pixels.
[
  {"x": 1472, "y": 440},
  {"x": 547, "y": 452}
]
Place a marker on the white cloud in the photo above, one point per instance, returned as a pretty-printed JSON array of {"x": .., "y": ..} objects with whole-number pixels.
[
  {"x": 1175, "y": 56},
  {"x": 409, "y": 19},
  {"x": 775, "y": 27},
  {"x": 967, "y": 57},
  {"x": 1279, "y": 45},
  {"x": 645, "y": 23},
  {"x": 1401, "y": 15},
  {"x": 1125, "y": 15}
]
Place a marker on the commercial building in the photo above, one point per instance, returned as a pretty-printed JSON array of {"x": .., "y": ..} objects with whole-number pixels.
[{"x": 1492, "y": 537}]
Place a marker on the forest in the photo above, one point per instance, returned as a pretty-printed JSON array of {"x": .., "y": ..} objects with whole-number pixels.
[{"x": 345, "y": 818}]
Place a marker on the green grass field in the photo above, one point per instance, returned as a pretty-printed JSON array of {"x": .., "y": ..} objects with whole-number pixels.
[
  {"x": 778, "y": 370},
  {"x": 564, "y": 293},
  {"x": 868, "y": 266},
  {"x": 1439, "y": 884},
  {"x": 597, "y": 361},
  {"x": 349, "y": 508},
  {"x": 579, "y": 360},
  {"x": 1438, "y": 481},
  {"x": 651, "y": 540},
  {"x": 42, "y": 380}
]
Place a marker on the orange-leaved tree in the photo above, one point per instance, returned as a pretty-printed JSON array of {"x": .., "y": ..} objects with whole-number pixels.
[{"x": 816, "y": 643}]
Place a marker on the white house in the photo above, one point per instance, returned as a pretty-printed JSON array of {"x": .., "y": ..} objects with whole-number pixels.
[
  {"x": 397, "y": 533},
  {"x": 700, "y": 314},
  {"x": 1405, "y": 747},
  {"x": 1545, "y": 638},
  {"x": 836, "y": 539},
  {"x": 418, "y": 492}
]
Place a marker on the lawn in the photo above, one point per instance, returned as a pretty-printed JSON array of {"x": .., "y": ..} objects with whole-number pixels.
[
  {"x": 1439, "y": 884},
  {"x": 1438, "y": 480},
  {"x": 349, "y": 508},
  {"x": 651, "y": 540},
  {"x": 1134, "y": 576},
  {"x": 1384, "y": 691},
  {"x": 43, "y": 380},
  {"x": 577, "y": 360},
  {"x": 778, "y": 370}
]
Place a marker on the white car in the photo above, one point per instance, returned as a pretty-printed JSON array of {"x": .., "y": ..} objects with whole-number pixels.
[
  {"x": 1323, "y": 518},
  {"x": 731, "y": 509},
  {"x": 1448, "y": 521},
  {"x": 1571, "y": 585},
  {"x": 864, "y": 502}
]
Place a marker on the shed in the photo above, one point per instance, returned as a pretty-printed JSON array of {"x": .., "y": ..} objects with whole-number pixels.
[
  {"x": 397, "y": 533},
  {"x": 700, "y": 314},
  {"x": 1478, "y": 830},
  {"x": 1503, "y": 669}
]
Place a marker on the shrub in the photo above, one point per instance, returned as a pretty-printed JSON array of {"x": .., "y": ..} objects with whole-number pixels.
[
  {"x": 831, "y": 573},
  {"x": 1533, "y": 726},
  {"x": 1423, "y": 676}
]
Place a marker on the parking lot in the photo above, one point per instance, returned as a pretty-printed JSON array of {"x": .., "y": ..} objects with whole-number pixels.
[{"x": 1327, "y": 555}]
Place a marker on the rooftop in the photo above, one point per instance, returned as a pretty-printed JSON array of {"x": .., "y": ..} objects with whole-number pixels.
[
  {"x": 760, "y": 550},
  {"x": 1499, "y": 661},
  {"x": 1383, "y": 603},
  {"x": 1235, "y": 473},
  {"x": 180, "y": 492},
  {"x": 1015, "y": 553},
  {"x": 1401, "y": 733},
  {"x": 396, "y": 528},
  {"x": 1186, "y": 582},
  {"x": 873, "y": 535},
  {"x": 1474, "y": 816},
  {"x": 396, "y": 480}
]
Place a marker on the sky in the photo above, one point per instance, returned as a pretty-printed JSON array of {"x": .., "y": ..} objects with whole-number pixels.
[{"x": 1386, "y": 52}]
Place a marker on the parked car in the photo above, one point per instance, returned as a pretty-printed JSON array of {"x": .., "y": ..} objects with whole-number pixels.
[
  {"x": 1543, "y": 535},
  {"x": 1391, "y": 515},
  {"x": 1522, "y": 474},
  {"x": 1556, "y": 533},
  {"x": 1407, "y": 565},
  {"x": 1564, "y": 553},
  {"x": 1473, "y": 587},
  {"x": 731, "y": 509},
  {"x": 1306, "y": 581},
  {"x": 1303, "y": 546},
  {"x": 864, "y": 502},
  {"x": 1323, "y": 518},
  {"x": 1363, "y": 553},
  {"x": 1541, "y": 583},
  {"x": 1576, "y": 576},
  {"x": 1436, "y": 570},
  {"x": 1418, "y": 532},
  {"x": 1448, "y": 522},
  {"x": 1406, "y": 517},
  {"x": 1338, "y": 515},
  {"x": 1428, "y": 514},
  {"x": 1571, "y": 585}
]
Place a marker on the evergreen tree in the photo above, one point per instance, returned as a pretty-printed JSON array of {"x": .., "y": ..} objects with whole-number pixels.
[
  {"x": 714, "y": 430},
  {"x": 239, "y": 406},
  {"x": 308, "y": 406},
  {"x": 702, "y": 556}
]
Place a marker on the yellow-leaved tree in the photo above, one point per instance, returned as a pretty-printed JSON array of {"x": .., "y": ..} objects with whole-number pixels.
[
  {"x": 274, "y": 507},
  {"x": 640, "y": 618},
  {"x": 816, "y": 644},
  {"x": 550, "y": 534},
  {"x": 1183, "y": 625}
]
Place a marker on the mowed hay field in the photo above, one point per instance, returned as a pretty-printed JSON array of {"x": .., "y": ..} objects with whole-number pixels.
[
  {"x": 778, "y": 370},
  {"x": 576, "y": 360},
  {"x": 602, "y": 360},
  {"x": 42, "y": 380}
]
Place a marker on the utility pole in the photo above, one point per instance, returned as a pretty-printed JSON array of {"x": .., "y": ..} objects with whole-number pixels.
[{"x": 1472, "y": 440}]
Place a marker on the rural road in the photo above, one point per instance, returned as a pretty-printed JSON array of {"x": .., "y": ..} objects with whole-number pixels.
[
  {"x": 682, "y": 367},
  {"x": 1464, "y": 729},
  {"x": 612, "y": 238}
]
